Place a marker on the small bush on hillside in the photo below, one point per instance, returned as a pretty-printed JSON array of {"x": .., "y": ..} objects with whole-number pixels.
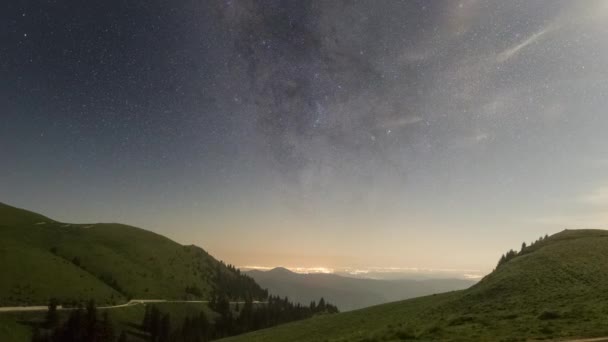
[
  {"x": 434, "y": 330},
  {"x": 509, "y": 316},
  {"x": 369, "y": 339},
  {"x": 461, "y": 320},
  {"x": 546, "y": 330},
  {"x": 194, "y": 290},
  {"x": 547, "y": 314},
  {"x": 404, "y": 334}
]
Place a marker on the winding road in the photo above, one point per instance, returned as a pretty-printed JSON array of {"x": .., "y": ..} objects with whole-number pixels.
[{"x": 129, "y": 303}]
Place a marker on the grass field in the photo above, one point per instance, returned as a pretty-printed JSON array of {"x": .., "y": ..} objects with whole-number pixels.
[{"x": 555, "y": 290}]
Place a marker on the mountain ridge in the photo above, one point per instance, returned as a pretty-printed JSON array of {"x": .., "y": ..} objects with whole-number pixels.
[
  {"x": 349, "y": 293},
  {"x": 10, "y": 215}
]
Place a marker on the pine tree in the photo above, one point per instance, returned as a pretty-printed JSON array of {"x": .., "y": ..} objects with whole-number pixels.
[
  {"x": 107, "y": 329},
  {"x": 155, "y": 322},
  {"x": 52, "y": 317},
  {"x": 37, "y": 336},
  {"x": 204, "y": 326},
  {"x": 145, "y": 325},
  {"x": 321, "y": 306},
  {"x": 165, "y": 328},
  {"x": 91, "y": 321}
]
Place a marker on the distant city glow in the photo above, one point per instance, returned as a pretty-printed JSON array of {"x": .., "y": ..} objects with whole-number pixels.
[{"x": 377, "y": 272}]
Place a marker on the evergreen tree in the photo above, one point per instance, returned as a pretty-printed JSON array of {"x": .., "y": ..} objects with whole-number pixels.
[
  {"x": 107, "y": 329},
  {"x": 38, "y": 336},
  {"x": 321, "y": 306},
  {"x": 145, "y": 324},
  {"x": 204, "y": 326},
  {"x": 165, "y": 328},
  {"x": 52, "y": 317},
  {"x": 75, "y": 329},
  {"x": 91, "y": 322}
]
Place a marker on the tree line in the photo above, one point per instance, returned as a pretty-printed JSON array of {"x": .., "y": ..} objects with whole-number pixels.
[
  {"x": 524, "y": 249},
  {"x": 230, "y": 282},
  {"x": 232, "y": 319},
  {"x": 83, "y": 324}
]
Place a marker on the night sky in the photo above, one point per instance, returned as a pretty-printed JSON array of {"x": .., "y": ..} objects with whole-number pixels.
[{"x": 336, "y": 134}]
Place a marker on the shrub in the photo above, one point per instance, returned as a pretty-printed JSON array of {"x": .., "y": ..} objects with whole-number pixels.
[
  {"x": 547, "y": 314},
  {"x": 461, "y": 320}
]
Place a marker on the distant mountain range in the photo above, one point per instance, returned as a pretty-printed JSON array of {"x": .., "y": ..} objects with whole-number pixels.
[{"x": 346, "y": 292}]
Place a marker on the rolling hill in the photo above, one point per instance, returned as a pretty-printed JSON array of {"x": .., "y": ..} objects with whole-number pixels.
[
  {"x": 555, "y": 289},
  {"x": 349, "y": 293},
  {"x": 41, "y": 258}
]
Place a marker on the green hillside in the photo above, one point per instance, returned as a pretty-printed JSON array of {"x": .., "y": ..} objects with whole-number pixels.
[
  {"x": 555, "y": 289},
  {"x": 41, "y": 258}
]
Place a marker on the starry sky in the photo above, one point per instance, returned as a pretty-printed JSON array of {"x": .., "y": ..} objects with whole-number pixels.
[{"x": 338, "y": 135}]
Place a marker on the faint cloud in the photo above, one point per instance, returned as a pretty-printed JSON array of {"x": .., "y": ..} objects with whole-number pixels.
[
  {"x": 309, "y": 270},
  {"x": 472, "y": 139},
  {"x": 598, "y": 197},
  {"x": 357, "y": 272},
  {"x": 514, "y": 50},
  {"x": 591, "y": 211},
  {"x": 599, "y": 162},
  {"x": 381, "y": 272},
  {"x": 400, "y": 122},
  {"x": 481, "y": 137},
  {"x": 301, "y": 270},
  {"x": 590, "y": 220},
  {"x": 473, "y": 276},
  {"x": 259, "y": 268}
]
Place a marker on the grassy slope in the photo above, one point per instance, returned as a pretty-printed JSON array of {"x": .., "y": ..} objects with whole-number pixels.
[
  {"x": 557, "y": 289},
  {"x": 30, "y": 274},
  {"x": 36, "y": 262}
]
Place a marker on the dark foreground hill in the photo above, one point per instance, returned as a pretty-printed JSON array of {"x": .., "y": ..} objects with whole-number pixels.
[
  {"x": 555, "y": 289},
  {"x": 41, "y": 258},
  {"x": 349, "y": 293}
]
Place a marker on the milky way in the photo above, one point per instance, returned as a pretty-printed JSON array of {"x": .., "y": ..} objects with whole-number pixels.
[{"x": 384, "y": 126}]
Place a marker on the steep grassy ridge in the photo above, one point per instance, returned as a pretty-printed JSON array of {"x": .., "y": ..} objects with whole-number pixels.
[{"x": 41, "y": 258}]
